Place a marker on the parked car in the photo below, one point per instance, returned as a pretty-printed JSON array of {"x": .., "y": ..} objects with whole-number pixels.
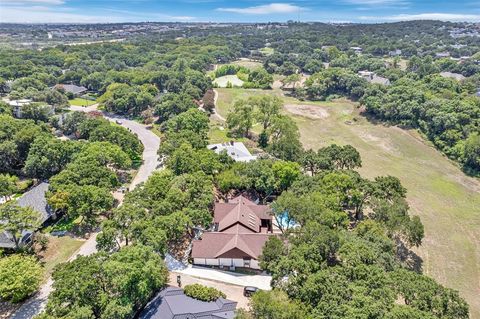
[
  {"x": 59, "y": 233},
  {"x": 248, "y": 291},
  {"x": 118, "y": 122}
]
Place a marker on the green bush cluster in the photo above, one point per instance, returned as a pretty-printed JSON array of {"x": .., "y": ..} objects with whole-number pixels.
[{"x": 203, "y": 293}]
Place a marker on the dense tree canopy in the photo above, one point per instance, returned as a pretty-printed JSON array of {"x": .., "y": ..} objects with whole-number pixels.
[{"x": 106, "y": 286}]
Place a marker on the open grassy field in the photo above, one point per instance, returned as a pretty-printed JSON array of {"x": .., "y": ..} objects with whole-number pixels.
[
  {"x": 81, "y": 102},
  {"x": 249, "y": 64},
  {"x": 447, "y": 201},
  {"x": 267, "y": 51}
]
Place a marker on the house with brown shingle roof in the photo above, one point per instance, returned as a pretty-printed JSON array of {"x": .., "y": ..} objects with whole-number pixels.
[{"x": 240, "y": 230}]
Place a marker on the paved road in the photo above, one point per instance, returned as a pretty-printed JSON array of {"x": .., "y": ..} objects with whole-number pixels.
[{"x": 151, "y": 143}]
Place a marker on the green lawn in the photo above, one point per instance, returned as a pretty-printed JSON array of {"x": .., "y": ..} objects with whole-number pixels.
[
  {"x": 58, "y": 251},
  {"x": 81, "y": 102},
  {"x": 249, "y": 64},
  {"x": 219, "y": 134},
  {"x": 224, "y": 80},
  {"x": 267, "y": 51},
  {"x": 447, "y": 201}
]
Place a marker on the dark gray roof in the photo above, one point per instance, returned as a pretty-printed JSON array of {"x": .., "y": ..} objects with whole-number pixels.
[
  {"x": 172, "y": 303},
  {"x": 35, "y": 198},
  {"x": 75, "y": 89},
  {"x": 5, "y": 241}
]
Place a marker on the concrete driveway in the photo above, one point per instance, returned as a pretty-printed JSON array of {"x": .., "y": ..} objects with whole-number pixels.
[
  {"x": 233, "y": 292},
  {"x": 233, "y": 278}
]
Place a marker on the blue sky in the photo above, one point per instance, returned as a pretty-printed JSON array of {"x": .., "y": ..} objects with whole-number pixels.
[{"x": 89, "y": 11}]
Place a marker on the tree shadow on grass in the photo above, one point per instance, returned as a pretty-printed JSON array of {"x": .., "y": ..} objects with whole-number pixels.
[{"x": 408, "y": 257}]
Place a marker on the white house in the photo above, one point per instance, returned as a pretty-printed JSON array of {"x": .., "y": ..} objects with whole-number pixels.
[{"x": 236, "y": 150}]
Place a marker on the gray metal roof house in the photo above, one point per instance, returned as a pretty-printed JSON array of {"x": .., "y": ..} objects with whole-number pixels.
[
  {"x": 71, "y": 88},
  {"x": 34, "y": 198},
  {"x": 172, "y": 303}
]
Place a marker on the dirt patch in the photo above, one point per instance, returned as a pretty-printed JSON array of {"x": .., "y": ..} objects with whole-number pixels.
[
  {"x": 309, "y": 111},
  {"x": 277, "y": 84},
  {"x": 383, "y": 142}
]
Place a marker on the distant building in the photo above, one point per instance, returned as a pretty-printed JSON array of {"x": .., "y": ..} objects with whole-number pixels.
[
  {"x": 71, "y": 88},
  {"x": 18, "y": 105},
  {"x": 236, "y": 150},
  {"x": 456, "y": 76},
  {"x": 172, "y": 303},
  {"x": 357, "y": 50},
  {"x": 458, "y": 46},
  {"x": 240, "y": 230},
  {"x": 380, "y": 80},
  {"x": 371, "y": 77},
  {"x": 394, "y": 53},
  {"x": 442, "y": 54},
  {"x": 35, "y": 199}
]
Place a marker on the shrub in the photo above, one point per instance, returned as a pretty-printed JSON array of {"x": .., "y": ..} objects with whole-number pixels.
[
  {"x": 20, "y": 276},
  {"x": 203, "y": 293}
]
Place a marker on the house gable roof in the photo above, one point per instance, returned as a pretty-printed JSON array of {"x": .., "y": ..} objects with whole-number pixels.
[
  {"x": 172, "y": 303},
  {"x": 71, "y": 88},
  {"x": 236, "y": 242},
  {"x": 35, "y": 199},
  {"x": 214, "y": 244},
  {"x": 240, "y": 210}
]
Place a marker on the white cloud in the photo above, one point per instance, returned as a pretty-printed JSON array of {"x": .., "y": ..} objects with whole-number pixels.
[
  {"x": 425, "y": 16},
  {"x": 181, "y": 18},
  {"x": 271, "y": 8},
  {"x": 375, "y": 2},
  {"x": 31, "y": 2},
  {"x": 48, "y": 14},
  {"x": 39, "y": 14}
]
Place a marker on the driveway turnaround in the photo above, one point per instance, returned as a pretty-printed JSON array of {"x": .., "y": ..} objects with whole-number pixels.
[
  {"x": 233, "y": 292},
  {"x": 259, "y": 281}
]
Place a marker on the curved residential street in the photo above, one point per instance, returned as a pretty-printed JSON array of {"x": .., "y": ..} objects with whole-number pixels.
[{"x": 151, "y": 143}]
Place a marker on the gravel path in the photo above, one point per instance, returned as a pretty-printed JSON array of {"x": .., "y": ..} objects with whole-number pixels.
[{"x": 215, "y": 113}]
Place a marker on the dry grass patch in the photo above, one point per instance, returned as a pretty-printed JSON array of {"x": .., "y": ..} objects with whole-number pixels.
[
  {"x": 58, "y": 251},
  {"x": 447, "y": 201},
  {"x": 309, "y": 111}
]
